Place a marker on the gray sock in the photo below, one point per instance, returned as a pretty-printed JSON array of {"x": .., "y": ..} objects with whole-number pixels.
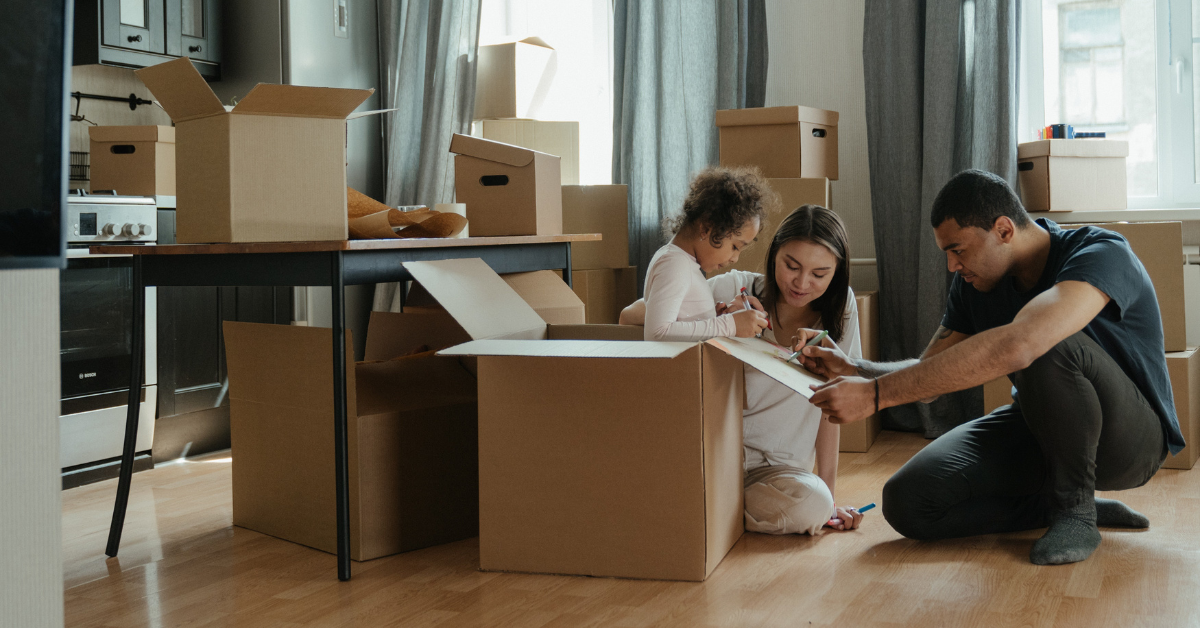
[
  {"x": 1072, "y": 537},
  {"x": 1111, "y": 513}
]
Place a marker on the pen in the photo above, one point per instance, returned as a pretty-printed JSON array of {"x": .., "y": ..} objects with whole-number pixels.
[
  {"x": 746, "y": 302},
  {"x": 811, "y": 343}
]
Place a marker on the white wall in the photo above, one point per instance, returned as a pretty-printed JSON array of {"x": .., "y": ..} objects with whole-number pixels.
[
  {"x": 31, "y": 583},
  {"x": 815, "y": 50}
]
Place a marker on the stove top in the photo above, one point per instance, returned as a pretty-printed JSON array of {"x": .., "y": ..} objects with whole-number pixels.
[{"x": 110, "y": 219}]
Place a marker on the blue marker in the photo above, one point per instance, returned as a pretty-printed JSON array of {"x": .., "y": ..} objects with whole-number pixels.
[{"x": 835, "y": 521}]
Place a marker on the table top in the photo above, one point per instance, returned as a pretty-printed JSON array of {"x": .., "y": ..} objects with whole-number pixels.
[{"x": 334, "y": 245}]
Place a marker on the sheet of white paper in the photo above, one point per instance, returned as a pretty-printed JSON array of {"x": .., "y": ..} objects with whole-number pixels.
[{"x": 769, "y": 359}]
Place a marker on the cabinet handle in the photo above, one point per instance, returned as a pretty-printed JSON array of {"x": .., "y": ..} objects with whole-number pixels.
[
  {"x": 134, "y": 38},
  {"x": 194, "y": 48}
]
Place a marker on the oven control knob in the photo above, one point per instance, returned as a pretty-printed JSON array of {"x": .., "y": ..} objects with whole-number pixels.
[
  {"x": 129, "y": 230},
  {"x": 110, "y": 229},
  {"x": 144, "y": 230}
]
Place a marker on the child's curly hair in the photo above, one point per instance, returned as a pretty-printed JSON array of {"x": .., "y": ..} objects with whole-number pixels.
[{"x": 722, "y": 200}]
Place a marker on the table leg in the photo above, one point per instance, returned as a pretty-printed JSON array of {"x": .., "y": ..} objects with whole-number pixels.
[
  {"x": 137, "y": 365},
  {"x": 340, "y": 452},
  {"x": 567, "y": 271}
]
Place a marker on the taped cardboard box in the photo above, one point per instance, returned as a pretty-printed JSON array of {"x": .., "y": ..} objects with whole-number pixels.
[
  {"x": 575, "y": 479},
  {"x": 783, "y": 142},
  {"x": 792, "y": 193},
  {"x": 1072, "y": 175},
  {"x": 860, "y": 435},
  {"x": 557, "y": 138},
  {"x": 605, "y": 292},
  {"x": 133, "y": 160},
  {"x": 508, "y": 190},
  {"x": 273, "y": 169},
  {"x": 602, "y": 209},
  {"x": 412, "y": 441},
  {"x": 514, "y": 78},
  {"x": 1184, "y": 370},
  {"x": 1159, "y": 246}
]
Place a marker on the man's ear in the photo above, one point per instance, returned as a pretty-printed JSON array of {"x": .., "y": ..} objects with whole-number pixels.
[{"x": 1005, "y": 229}]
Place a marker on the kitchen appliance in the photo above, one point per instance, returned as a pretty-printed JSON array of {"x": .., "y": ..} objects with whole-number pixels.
[{"x": 96, "y": 310}]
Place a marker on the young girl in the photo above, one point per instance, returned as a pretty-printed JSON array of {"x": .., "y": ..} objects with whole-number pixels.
[
  {"x": 722, "y": 214},
  {"x": 791, "y": 452}
]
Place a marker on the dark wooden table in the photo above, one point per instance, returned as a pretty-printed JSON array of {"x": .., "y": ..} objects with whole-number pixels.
[{"x": 335, "y": 264}]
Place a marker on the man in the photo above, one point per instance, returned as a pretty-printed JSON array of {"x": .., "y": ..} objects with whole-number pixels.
[{"x": 1072, "y": 319}]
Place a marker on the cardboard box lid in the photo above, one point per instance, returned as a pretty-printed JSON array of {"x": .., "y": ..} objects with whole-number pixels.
[
  {"x": 141, "y": 133},
  {"x": 767, "y": 358},
  {"x": 532, "y": 41},
  {"x": 180, "y": 89},
  {"x": 491, "y": 150},
  {"x": 761, "y": 116},
  {"x": 570, "y": 349},
  {"x": 553, "y": 300},
  {"x": 299, "y": 101},
  {"x": 482, "y": 303},
  {"x": 1073, "y": 148}
]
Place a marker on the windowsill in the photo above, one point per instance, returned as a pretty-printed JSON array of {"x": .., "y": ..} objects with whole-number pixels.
[{"x": 1118, "y": 215}]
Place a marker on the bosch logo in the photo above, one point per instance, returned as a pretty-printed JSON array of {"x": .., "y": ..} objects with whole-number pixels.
[{"x": 86, "y": 375}]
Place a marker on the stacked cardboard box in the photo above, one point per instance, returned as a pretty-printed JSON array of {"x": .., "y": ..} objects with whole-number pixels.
[
  {"x": 1072, "y": 175},
  {"x": 859, "y": 436},
  {"x": 601, "y": 274}
]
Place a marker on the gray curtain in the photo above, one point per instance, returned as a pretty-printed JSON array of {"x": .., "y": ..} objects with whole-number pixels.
[
  {"x": 676, "y": 62},
  {"x": 427, "y": 57},
  {"x": 941, "y": 97}
]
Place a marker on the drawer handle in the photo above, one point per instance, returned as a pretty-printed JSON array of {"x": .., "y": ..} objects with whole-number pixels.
[
  {"x": 494, "y": 179},
  {"x": 1024, "y": 166},
  {"x": 818, "y": 132},
  {"x": 134, "y": 38},
  {"x": 194, "y": 48},
  {"x": 123, "y": 149}
]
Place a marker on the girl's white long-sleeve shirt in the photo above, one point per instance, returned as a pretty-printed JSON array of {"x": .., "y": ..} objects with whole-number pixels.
[{"x": 679, "y": 301}]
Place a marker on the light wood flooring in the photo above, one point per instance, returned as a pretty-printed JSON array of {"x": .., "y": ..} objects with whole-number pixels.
[{"x": 183, "y": 564}]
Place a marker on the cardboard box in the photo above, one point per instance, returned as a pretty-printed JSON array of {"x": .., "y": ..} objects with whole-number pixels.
[
  {"x": 576, "y": 479},
  {"x": 602, "y": 209},
  {"x": 550, "y": 297},
  {"x": 412, "y": 441},
  {"x": 1184, "y": 369},
  {"x": 1072, "y": 175},
  {"x": 860, "y": 435},
  {"x": 133, "y": 160},
  {"x": 514, "y": 78},
  {"x": 784, "y": 142},
  {"x": 996, "y": 393},
  {"x": 605, "y": 292},
  {"x": 508, "y": 190},
  {"x": 560, "y": 139},
  {"x": 792, "y": 193},
  {"x": 1159, "y": 246},
  {"x": 273, "y": 169}
]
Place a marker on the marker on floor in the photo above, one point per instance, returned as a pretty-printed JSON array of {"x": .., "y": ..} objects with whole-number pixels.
[{"x": 837, "y": 522}]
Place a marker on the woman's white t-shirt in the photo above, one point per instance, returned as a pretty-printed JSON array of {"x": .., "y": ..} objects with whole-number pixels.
[{"x": 780, "y": 425}]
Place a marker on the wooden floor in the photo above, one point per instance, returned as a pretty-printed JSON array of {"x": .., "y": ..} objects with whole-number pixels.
[{"x": 183, "y": 564}]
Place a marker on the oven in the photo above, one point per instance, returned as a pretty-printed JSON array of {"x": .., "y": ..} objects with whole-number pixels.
[{"x": 96, "y": 311}]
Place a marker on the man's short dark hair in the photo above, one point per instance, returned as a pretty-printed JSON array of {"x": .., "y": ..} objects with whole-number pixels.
[{"x": 976, "y": 198}]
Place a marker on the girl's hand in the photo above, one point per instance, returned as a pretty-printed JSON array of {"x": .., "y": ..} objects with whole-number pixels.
[
  {"x": 749, "y": 323},
  {"x": 748, "y": 302},
  {"x": 845, "y": 519}
]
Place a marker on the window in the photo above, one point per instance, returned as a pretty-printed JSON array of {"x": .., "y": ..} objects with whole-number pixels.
[{"x": 1118, "y": 66}]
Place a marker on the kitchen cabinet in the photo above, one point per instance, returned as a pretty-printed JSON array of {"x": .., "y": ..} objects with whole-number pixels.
[{"x": 140, "y": 33}]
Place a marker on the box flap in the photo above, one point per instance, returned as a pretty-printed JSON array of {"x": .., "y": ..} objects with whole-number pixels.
[
  {"x": 760, "y": 116},
  {"x": 180, "y": 89},
  {"x": 548, "y": 295},
  {"x": 390, "y": 335},
  {"x": 532, "y": 41},
  {"x": 491, "y": 151},
  {"x": 411, "y": 383},
  {"x": 571, "y": 349},
  {"x": 1073, "y": 148},
  {"x": 768, "y": 359},
  {"x": 303, "y": 102},
  {"x": 141, "y": 133},
  {"x": 478, "y": 298}
]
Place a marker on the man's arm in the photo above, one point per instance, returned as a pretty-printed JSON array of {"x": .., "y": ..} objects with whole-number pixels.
[
  {"x": 829, "y": 361},
  {"x": 943, "y": 339},
  {"x": 1044, "y": 322}
]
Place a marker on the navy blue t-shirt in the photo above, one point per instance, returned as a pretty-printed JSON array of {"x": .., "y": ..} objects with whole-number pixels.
[{"x": 1129, "y": 328}]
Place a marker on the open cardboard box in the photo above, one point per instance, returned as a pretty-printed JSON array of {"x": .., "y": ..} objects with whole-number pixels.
[
  {"x": 514, "y": 78},
  {"x": 599, "y": 456},
  {"x": 412, "y": 437}
]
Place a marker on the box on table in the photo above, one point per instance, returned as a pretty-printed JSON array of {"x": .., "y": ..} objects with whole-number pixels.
[
  {"x": 598, "y": 457},
  {"x": 1184, "y": 369},
  {"x": 514, "y": 78},
  {"x": 602, "y": 209},
  {"x": 783, "y": 142},
  {"x": 133, "y": 160},
  {"x": 792, "y": 193},
  {"x": 508, "y": 190},
  {"x": 412, "y": 440},
  {"x": 1159, "y": 246},
  {"x": 605, "y": 292},
  {"x": 860, "y": 435},
  {"x": 1072, "y": 175},
  {"x": 557, "y": 138},
  {"x": 273, "y": 169}
]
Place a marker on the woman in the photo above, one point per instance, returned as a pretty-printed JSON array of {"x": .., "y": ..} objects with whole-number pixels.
[{"x": 791, "y": 452}]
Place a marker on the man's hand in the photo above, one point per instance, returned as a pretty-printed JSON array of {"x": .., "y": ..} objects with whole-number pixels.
[
  {"x": 845, "y": 399},
  {"x": 826, "y": 360}
]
